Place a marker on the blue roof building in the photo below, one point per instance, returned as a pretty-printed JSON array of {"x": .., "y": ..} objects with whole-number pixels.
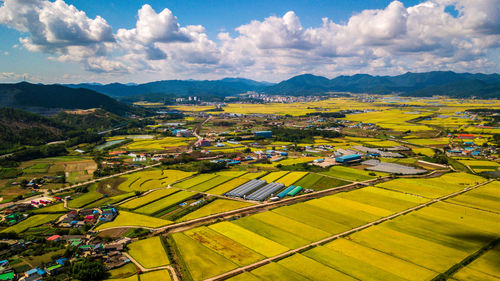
[{"x": 348, "y": 158}]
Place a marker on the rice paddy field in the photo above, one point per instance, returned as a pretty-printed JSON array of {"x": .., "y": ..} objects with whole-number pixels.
[
  {"x": 123, "y": 271},
  {"x": 291, "y": 178},
  {"x": 417, "y": 246},
  {"x": 483, "y": 268},
  {"x": 158, "y": 144},
  {"x": 148, "y": 198},
  {"x": 217, "y": 206},
  {"x": 164, "y": 203},
  {"x": 425, "y": 151},
  {"x": 227, "y": 186},
  {"x": 351, "y": 174},
  {"x": 156, "y": 275},
  {"x": 319, "y": 182},
  {"x": 273, "y": 232},
  {"x": 485, "y": 197},
  {"x": 86, "y": 198},
  {"x": 273, "y": 176},
  {"x": 391, "y": 119},
  {"x": 429, "y": 142},
  {"x": 129, "y": 219},
  {"x": 152, "y": 179},
  {"x": 32, "y": 221},
  {"x": 149, "y": 252},
  {"x": 433, "y": 187},
  {"x": 479, "y": 166},
  {"x": 289, "y": 161}
]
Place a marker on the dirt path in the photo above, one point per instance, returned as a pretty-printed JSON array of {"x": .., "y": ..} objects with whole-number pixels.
[
  {"x": 144, "y": 270},
  {"x": 336, "y": 236}
]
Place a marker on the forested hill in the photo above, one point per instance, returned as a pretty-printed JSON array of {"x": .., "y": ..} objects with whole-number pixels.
[
  {"x": 26, "y": 96},
  {"x": 19, "y": 128}
]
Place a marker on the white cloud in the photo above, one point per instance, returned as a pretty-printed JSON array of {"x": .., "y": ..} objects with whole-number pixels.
[
  {"x": 380, "y": 41},
  {"x": 57, "y": 28}
]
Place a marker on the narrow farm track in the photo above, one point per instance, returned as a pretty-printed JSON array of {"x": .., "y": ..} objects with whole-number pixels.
[
  {"x": 144, "y": 270},
  {"x": 336, "y": 236},
  {"x": 182, "y": 226}
]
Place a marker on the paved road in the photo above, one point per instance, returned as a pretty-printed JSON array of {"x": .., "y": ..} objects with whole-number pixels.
[{"x": 336, "y": 236}]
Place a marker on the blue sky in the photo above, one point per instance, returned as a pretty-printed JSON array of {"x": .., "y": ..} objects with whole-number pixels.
[{"x": 139, "y": 41}]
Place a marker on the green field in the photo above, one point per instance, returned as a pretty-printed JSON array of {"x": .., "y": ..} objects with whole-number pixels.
[
  {"x": 194, "y": 181},
  {"x": 433, "y": 187},
  {"x": 156, "y": 275},
  {"x": 309, "y": 180},
  {"x": 164, "y": 203},
  {"x": 326, "y": 182},
  {"x": 351, "y": 174},
  {"x": 110, "y": 200},
  {"x": 274, "y": 176},
  {"x": 123, "y": 271},
  {"x": 211, "y": 183},
  {"x": 227, "y": 186},
  {"x": 149, "y": 252},
  {"x": 54, "y": 208},
  {"x": 148, "y": 198},
  {"x": 85, "y": 198},
  {"x": 32, "y": 221},
  {"x": 217, "y": 206},
  {"x": 128, "y": 219}
]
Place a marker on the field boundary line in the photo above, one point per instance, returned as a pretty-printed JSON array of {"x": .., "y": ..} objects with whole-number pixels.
[{"x": 288, "y": 253}]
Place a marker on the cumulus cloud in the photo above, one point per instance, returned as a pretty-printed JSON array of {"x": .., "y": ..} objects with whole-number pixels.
[
  {"x": 54, "y": 24},
  {"x": 390, "y": 40}
]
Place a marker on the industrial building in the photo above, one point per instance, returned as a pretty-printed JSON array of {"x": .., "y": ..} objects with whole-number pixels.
[{"x": 348, "y": 159}]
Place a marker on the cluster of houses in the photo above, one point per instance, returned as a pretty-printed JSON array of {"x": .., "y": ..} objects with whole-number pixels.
[
  {"x": 467, "y": 146},
  {"x": 78, "y": 219},
  {"x": 38, "y": 274}
]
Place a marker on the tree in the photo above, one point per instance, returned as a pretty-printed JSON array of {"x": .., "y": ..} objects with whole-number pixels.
[{"x": 88, "y": 269}]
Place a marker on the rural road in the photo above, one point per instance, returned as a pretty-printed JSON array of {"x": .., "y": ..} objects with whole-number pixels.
[
  {"x": 336, "y": 236},
  {"x": 143, "y": 269},
  {"x": 253, "y": 209}
]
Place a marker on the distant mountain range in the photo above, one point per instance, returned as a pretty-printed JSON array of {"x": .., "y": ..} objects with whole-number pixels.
[
  {"x": 52, "y": 98},
  {"x": 223, "y": 87},
  {"x": 409, "y": 84}
]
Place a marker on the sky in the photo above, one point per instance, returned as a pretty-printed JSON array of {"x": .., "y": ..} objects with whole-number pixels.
[{"x": 75, "y": 41}]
